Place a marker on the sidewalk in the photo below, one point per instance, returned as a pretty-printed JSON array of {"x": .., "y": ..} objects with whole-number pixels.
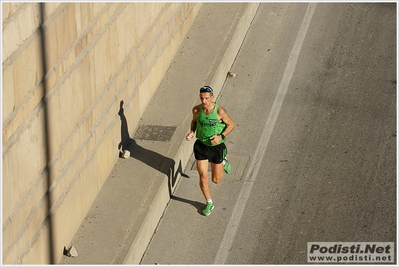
[{"x": 122, "y": 219}]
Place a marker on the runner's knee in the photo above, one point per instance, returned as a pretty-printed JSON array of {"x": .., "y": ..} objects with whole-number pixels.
[
  {"x": 203, "y": 180},
  {"x": 216, "y": 178}
]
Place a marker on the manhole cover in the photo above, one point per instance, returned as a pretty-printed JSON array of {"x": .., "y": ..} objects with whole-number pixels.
[{"x": 155, "y": 132}]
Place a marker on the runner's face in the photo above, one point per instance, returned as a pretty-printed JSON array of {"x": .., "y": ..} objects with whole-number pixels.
[{"x": 206, "y": 99}]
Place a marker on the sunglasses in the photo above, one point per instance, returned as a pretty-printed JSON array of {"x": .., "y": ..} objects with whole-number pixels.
[{"x": 206, "y": 89}]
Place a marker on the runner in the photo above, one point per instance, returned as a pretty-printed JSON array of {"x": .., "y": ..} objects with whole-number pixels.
[{"x": 210, "y": 124}]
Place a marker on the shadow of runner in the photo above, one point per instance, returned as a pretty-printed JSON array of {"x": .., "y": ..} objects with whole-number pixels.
[
  {"x": 153, "y": 159},
  {"x": 198, "y": 205}
]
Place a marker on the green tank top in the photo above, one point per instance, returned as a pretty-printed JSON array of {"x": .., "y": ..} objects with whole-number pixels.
[{"x": 208, "y": 126}]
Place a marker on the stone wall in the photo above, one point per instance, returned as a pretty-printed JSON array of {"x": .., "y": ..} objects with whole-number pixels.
[{"x": 66, "y": 68}]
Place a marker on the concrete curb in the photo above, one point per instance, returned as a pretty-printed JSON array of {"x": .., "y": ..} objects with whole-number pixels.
[
  {"x": 234, "y": 46},
  {"x": 184, "y": 151}
]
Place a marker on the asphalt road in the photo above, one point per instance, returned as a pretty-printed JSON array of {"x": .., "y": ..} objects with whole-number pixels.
[{"x": 314, "y": 150}]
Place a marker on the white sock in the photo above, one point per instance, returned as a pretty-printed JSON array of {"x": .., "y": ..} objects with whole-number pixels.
[{"x": 209, "y": 200}]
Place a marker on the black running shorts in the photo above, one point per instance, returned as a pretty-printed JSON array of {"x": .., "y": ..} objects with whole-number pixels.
[{"x": 214, "y": 154}]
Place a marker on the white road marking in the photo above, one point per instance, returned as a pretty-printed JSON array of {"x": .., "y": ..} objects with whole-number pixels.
[{"x": 252, "y": 171}]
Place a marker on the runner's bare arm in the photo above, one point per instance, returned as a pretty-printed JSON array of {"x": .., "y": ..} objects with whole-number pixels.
[
  {"x": 193, "y": 125},
  {"x": 225, "y": 118}
]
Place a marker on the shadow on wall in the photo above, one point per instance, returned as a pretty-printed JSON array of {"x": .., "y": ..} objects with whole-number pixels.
[
  {"x": 153, "y": 159},
  {"x": 47, "y": 148}
]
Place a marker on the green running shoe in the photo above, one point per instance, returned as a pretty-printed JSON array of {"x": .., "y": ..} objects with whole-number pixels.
[
  {"x": 227, "y": 166},
  {"x": 207, "y": 210}
]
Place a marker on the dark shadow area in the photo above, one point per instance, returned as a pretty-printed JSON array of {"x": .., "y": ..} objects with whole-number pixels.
[
  {"x": 198, "y": 205},
  {"x": 153, "y": 159},
  {"x": 47, "y": 169}
]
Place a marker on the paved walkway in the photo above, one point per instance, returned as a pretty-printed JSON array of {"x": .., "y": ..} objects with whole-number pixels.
[{"x": 122, "y": 219}]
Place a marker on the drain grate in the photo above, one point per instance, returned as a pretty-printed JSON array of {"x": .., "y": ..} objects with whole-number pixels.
[{"x": 155, "y": 133}]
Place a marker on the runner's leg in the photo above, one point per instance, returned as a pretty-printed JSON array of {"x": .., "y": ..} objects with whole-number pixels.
[
  {"x": 217, "y": 172},
  {"x": 202, "y": 167}
]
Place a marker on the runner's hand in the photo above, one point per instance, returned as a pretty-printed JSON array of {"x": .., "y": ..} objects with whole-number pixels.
[
  {"x": 190, "y": 136},
  {"x": 216, "y": 139}
]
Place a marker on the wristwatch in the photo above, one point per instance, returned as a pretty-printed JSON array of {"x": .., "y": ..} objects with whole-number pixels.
[{"x": 222, "y": 135}]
